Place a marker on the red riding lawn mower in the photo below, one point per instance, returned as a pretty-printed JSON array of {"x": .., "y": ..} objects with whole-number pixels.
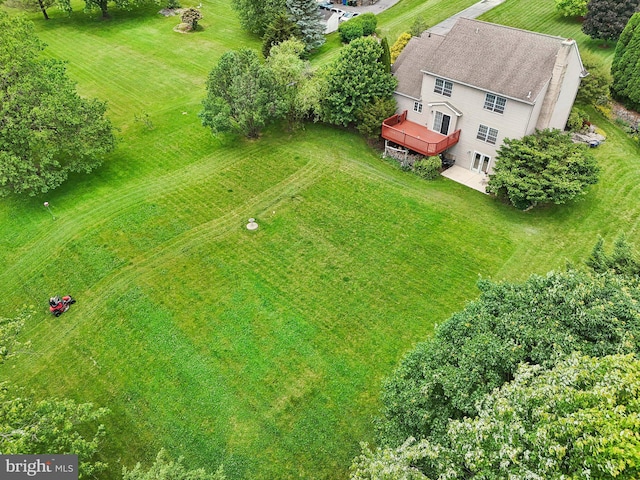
[{"x": 58, "y": 306}]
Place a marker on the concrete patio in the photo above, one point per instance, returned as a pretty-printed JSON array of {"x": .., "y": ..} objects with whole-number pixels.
[{"x": 475, "y": 180}]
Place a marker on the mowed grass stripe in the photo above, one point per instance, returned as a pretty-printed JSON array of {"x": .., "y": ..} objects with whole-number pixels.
[{"x": 542, "y": 16}]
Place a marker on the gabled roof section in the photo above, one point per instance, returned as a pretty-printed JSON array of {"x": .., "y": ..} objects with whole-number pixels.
[
  {"x": 509, "y": 61},
  {"x": 408, "y": 65}
]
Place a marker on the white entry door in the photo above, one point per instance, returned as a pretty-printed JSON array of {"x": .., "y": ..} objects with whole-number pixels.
[{"x": 480, "y": 162}]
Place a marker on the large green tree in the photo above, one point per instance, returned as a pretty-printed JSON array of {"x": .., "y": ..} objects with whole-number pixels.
[
  {"x": 256, "y": 15},
  {"x": 478, "y": 349},
  {"x": 579, "y": 419},
  {"x": 242, "y": 95},
  {"x": 36, "y": 5},
  {"x": 625, "y": 68},
  {"x": 103, "y": 5},
  {"x": 300, "y": 93},
  {"x": 606, "y": 19},
  {"x": 546, "y": 167},
  {"x": 46, "y": 129},
  {"x": 165, "y": 468},
  {"x": 357, "y": 79},
  {"x": 306, "y": 15}
]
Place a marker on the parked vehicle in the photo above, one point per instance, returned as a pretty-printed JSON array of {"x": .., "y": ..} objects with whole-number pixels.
[
  {"x": 338, "y": 11},
  {"x": 348, "y": 16},
  {"x": 325, "y": 5}
]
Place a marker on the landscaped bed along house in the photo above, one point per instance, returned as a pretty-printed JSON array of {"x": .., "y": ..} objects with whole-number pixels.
[{"x": 463, "y": 93}]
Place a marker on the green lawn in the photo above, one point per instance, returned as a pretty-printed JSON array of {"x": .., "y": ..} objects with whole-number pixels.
[{"x": 260, "y": 350}]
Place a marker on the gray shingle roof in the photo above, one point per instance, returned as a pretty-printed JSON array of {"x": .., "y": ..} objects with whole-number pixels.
[
  {"x": 412, "y": 59},
  {"x": 504, "y": 60}
]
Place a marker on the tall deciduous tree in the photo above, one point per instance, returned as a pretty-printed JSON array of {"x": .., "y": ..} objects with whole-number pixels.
[
  {"x": 546, "y": 167},
  {"x": 306, "y": 15},
  {"x": 355, "y": 80},
  {"x": 46, "y": 129},
  {"x": 165, "y": 468},
  {"x": 103, "y": 5},
  {"x": 625, "y": 68},
  {"x": 478, "y": 349},
  {"x": 242, "y": 95},
  {"x": 606, "y": 19},
  {"x": 579, "y": 419},
  {"x": 300, "y": 95},
  {"x": 35, "y": 5},
  {"x": 256, "y": 15}
]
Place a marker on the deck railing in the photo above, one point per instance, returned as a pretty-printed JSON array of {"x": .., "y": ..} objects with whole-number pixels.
[{"x": 392, "y": 130}]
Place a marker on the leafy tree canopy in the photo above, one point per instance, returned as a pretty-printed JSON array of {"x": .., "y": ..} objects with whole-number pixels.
[
  {"x": 572, "y": 8},
  {"x": 594, "y": 88},
  {"x": 626, "y": 65},
  {"x": 34, "y": 5},
  {"x": 300, "y": 96},
  {"x": 479, "y": 349},
  {"x": 242, "y": 95},
  {"x": 164, "y": 468},
  {"x": 46, "y": 129},
  {"x": 356, "y": 79},
  {"x": 606, "y": 19},
  {"x": 546, "y": 167},
  {"x": 579, "y": 419},
  {"x": 256, "y": 15},
  {"x": 30, "y": 427}
]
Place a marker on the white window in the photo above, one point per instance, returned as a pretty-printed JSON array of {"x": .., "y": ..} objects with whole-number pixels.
[
  {"x": 417, "y": 107},
  {"x": 486, "y": 134},
  {"x": 443, "y": 87},
  {"x": 494, "y": 103}
]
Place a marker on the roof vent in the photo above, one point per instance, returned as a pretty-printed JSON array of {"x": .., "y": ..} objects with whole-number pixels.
[{"x": 529, "y": 94}]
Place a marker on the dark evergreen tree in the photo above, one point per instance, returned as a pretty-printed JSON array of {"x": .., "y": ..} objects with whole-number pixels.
[
  {"x": 626, "y": 65},
  {"x": 606, "y": 19},
  {"x": 281, "y": 29},
  {"x": 306, "y": 15},
  {"x": 386, "y": 54}
]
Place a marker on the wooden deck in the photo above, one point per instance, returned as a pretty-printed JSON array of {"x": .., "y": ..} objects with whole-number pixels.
[{"x": 417, "y": 137}]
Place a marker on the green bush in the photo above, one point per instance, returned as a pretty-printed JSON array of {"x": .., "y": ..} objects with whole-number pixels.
[
  {"x": 350, "y": 31},
  {"x": 369, "y": 23},
  {"x": 578, "y": 119},
  {"x": 428, "y": 168},
  {"x": 360, "y": 26}
]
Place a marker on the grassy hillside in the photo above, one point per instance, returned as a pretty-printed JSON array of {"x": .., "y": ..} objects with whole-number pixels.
[{"x": 260, "y": 350}]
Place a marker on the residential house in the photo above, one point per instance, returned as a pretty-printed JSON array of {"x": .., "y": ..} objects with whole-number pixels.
[{"x": 463, "y": 93}]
